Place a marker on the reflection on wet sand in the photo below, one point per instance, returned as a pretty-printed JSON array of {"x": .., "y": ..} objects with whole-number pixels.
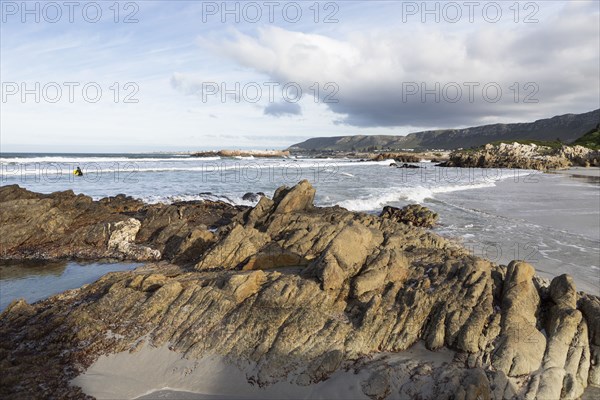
[
  {"x": 588, "y": 175},
  {"x": 587, "y": 178}
]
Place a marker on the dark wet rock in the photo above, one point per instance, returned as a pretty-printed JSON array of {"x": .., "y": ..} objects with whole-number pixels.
[
  {"x": 253, "y": 197},
  {"x": 15, "y": 192},
  {"x": 409, "y": 166},
  {"x": 412, "y": 214},
  {"x": 122, "y": 203},
  {"x": 398, "y": 157},
  {"x": 209, "y": 196}
]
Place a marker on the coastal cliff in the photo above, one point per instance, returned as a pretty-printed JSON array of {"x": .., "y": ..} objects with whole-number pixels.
[{"x": 297, "y": 292}]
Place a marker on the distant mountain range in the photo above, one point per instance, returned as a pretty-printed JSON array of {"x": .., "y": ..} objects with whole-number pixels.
[{"x": 567, "y": 128}]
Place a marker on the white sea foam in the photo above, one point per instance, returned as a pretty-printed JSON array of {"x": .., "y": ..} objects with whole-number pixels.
[
  {"x": 416, "y": 194},
  {"x": 207, "y": 165},
  {"x": 367, "y": 203}
]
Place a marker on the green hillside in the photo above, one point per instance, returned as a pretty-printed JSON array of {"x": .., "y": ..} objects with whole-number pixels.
[
  {"x": 590, "y": 139},
  {"x": 563, "y": 128}
]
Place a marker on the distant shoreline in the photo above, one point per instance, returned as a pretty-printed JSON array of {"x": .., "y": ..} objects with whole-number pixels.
[{"x": 243, "y": 153}]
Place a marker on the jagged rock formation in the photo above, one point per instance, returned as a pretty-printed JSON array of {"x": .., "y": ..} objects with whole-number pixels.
[
  {"x": 302, "y": 292},
  {"x": 581, "y": 156},
  {"x": 65, "y": 225},
  {"x": 524, "y": 156}
]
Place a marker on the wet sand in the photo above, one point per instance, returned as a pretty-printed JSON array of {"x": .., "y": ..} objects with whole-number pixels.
[
  {"x": 592, "y": 174},
  {"x": 551, "y": 221}
]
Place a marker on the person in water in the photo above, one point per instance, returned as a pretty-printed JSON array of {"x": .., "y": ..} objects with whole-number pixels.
[{"x": 78, "y": 172}]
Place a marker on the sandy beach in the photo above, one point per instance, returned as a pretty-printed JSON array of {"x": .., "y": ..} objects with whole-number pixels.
[{"x": 159, "y": 373}]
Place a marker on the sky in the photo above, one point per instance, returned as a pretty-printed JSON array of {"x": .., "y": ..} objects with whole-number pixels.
[{"x": 110, "y": 76}]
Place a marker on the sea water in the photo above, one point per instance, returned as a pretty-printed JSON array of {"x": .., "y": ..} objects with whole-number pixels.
[{"x": 551, "y": 221}]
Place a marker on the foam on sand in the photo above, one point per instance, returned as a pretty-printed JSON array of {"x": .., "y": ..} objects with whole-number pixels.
[{"x": 416, "y": 194}]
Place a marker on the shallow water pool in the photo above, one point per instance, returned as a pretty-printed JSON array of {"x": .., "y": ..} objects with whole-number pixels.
[{"x": 38, "y": 280}]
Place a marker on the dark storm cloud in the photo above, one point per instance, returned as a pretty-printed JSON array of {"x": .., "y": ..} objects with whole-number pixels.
[{"x": 434, "y": 77}]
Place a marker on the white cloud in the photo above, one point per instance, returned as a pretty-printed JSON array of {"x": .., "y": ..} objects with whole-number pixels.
[{"x": 375, "y": 69}]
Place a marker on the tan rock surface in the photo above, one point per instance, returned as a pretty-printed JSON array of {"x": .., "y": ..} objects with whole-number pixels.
[{"x": 305, "y": 292}]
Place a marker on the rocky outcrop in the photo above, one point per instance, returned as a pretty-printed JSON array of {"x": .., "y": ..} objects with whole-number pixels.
[
  {"x": 405, "y": 165},
  {"x": 413, "y": 214},
  {"x": 590, "y": 307},
  {"x": 524, "y": 156},
  {"x": 568, "y": 349},
  {"x": 253, "y": 197},
  {"x": 182, "y": 231},
  {"x": 66, "y": 225},
  {"x": 521, "y": 345},
  {"x": 300, "y": 292},
  {"x": 122, "y": 203},
  {"x": 398, "y": 157},
  {"x": 58, "y": 225},
  {"x": 298, "y": 198},
  {"x": 122, "y": 240},
  {"x": 581, "y": 156}
]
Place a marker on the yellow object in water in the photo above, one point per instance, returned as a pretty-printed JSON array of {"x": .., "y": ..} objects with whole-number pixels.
[{"x": 77, "y": 173}]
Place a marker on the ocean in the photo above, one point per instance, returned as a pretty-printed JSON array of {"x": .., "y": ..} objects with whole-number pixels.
[{"x": 549, "y": 220}]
